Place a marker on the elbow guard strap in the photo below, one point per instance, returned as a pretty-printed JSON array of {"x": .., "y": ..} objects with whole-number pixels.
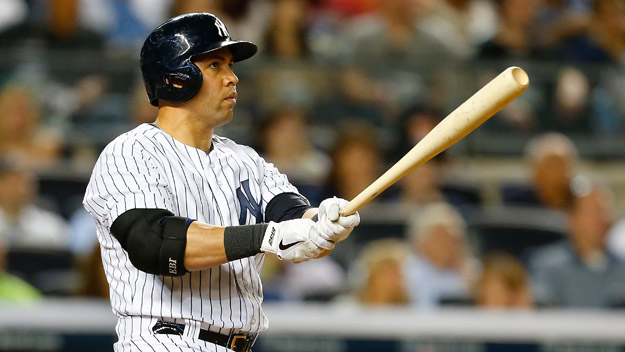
[{"x": 155, "y": 240}]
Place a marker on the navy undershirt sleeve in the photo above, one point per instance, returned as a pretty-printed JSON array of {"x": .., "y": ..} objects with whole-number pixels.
[{"x": 286, "y": 206}]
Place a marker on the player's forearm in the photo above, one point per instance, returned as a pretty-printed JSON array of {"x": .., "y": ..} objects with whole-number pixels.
[
  {"x": 205, "y": 246},
  {"x": 310, "y": 213},
  {"x": 208, "y": 245}
]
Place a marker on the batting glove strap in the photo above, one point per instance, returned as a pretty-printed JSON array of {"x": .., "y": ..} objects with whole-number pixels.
[{"x": 294, "y": 240}]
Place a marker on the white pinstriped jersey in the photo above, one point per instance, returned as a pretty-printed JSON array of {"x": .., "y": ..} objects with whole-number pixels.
[{"x": 231, "y": 185}]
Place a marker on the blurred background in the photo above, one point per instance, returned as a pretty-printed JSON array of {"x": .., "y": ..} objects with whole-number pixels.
[{"x": 511, "y": 240}]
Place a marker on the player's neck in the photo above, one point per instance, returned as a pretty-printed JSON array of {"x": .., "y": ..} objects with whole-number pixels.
[{"x": 184, "y": 128}]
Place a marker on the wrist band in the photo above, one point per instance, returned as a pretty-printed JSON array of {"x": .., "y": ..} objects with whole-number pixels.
[{"x": 243, "y": 241}]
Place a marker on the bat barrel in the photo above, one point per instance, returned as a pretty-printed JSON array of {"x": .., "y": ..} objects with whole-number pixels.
[{"x": 491, "y": 98}]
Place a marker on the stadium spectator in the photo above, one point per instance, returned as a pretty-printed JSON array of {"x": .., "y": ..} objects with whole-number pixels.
[
  {"x": 607, "y": 30},
  {"x": 570, "y": 105},
  {"x": 91, "y": 275},
  {"x": 141, "y": 111},
  {"x": 377, "y": 275},
  {"x": 319, "y": 281},
  {"x": 515, "y": 43},
  {"x": 288, "y": 78},
  {"x": 552, "y": 159},
  {"x": 391, "y": 63},
  {"x": 127, "y": 30},
  {"x": 61, "y": 29},
  {"x": 348, "y": 8},
  {"x": 597, "y": 33},
  {"x": 286, "y": 33},
  {"x": 504, "y": 283},
  {"x": 22, "y": 135},
  {"x": 245, "y": 18},
  {"x": 83, "y": 233},
  {"x": 23, "y": 223},
  {"x": 616, "y": 238},
  {"x": 326, "y": 23},
  {"x": 581, "y": 271},
  {"x": 517, "y": 37},
  {"x": 414, "y": 123},
  {"x": 285, "y": 143},
  {"x": 420, "y": 186},
  {"x": 12, "y": 288},
  {"x": 564, "y": 25},
  {"x": 180, "y": 7},
  {"x": 13, "y": 12},
  {"x": 436, "y": 180},
  {"x": 441, "y": 268},
  {"x": 461, "y": 24},
  {"x": 84, "y": 155},
  {"x": 356, "y": 161}
]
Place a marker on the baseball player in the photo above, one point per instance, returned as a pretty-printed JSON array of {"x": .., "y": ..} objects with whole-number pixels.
[{"x": 184, "y": 217}]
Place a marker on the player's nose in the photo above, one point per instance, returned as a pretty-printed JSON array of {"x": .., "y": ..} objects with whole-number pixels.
[{"x": 230, "y": 78}]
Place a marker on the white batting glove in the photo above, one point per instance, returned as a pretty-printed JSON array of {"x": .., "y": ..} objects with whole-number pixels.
[
  {"x": 294, "y": 240},
  {"x": 330, "y": 224}
]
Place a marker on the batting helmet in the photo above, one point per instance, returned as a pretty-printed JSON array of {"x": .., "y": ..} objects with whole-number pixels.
[{"x": 167, "y": 52}]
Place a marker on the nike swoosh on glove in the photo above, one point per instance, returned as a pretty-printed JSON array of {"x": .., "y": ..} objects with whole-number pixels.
[{"x": 294, "y": 240}]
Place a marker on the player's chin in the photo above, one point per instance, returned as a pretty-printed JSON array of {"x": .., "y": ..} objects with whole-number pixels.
[
  {"x": 224, "y": 118},
  {"x": 228, "y": 106}
]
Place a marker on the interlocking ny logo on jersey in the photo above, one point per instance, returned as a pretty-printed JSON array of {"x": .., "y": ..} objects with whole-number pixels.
[
  {"x": 248, "y": 204},
  {"x": 221, "y": 28}
]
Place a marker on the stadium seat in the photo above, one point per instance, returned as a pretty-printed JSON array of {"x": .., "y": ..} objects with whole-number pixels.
[{"x": 515, "y": 229}]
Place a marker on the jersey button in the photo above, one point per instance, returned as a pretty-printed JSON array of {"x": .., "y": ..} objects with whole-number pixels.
[{"x": 253, "y": 321}]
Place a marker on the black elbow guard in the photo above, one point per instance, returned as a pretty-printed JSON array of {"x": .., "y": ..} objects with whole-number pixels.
[{"x": 155, "y": 240}]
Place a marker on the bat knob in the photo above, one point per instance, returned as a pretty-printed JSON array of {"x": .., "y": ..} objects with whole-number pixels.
[{"x": 333, "y": 212}]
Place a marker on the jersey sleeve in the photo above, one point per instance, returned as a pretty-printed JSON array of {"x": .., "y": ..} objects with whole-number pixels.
[
  {"x": 272, "y": 181},
  {"x": 126, "y": 176}
]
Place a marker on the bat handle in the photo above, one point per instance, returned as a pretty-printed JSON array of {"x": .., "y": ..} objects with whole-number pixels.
[
  {"x": 345, "y": 211},
  {"x": 348, "y": 209}
]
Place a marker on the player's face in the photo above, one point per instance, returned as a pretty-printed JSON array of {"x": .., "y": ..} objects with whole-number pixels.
[{"x": 218, "y": 94}]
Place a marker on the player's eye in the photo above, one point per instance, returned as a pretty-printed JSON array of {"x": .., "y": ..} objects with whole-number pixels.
[{"x": 214, "y": 64}]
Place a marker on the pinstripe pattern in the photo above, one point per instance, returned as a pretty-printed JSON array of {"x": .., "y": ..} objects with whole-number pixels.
[{"x": 147, "y": 168}]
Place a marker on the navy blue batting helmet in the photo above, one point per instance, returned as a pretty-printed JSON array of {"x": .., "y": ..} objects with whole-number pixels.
[{"x": 167, "y": 52}]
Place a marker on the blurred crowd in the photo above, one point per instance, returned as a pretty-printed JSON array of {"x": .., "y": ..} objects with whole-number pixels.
[{"x": 340, "y": 90}]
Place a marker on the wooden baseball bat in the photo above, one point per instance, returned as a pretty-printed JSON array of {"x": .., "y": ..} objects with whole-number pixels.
[{"x": 496, "y": 94}]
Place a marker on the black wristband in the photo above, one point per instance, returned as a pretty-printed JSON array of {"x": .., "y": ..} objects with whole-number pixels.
[{"x": 243, "y": 241}]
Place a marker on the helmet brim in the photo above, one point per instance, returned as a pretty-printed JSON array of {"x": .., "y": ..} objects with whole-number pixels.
[{"x": 241, "y": 50}]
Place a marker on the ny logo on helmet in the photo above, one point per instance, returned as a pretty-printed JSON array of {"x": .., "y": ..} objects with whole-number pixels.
[{"x": 221, "y": 28}]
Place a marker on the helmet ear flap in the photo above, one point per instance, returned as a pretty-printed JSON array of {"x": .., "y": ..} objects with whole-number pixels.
[
  {"x": 176, "y": 80},
  {"x": 172, "y": 81},
  {"x": 192, "y": 81},
  {"x": 181, "y": 86}
]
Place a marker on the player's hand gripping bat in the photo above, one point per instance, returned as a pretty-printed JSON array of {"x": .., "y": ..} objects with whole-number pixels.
[{"x": 496, "y": 94}]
